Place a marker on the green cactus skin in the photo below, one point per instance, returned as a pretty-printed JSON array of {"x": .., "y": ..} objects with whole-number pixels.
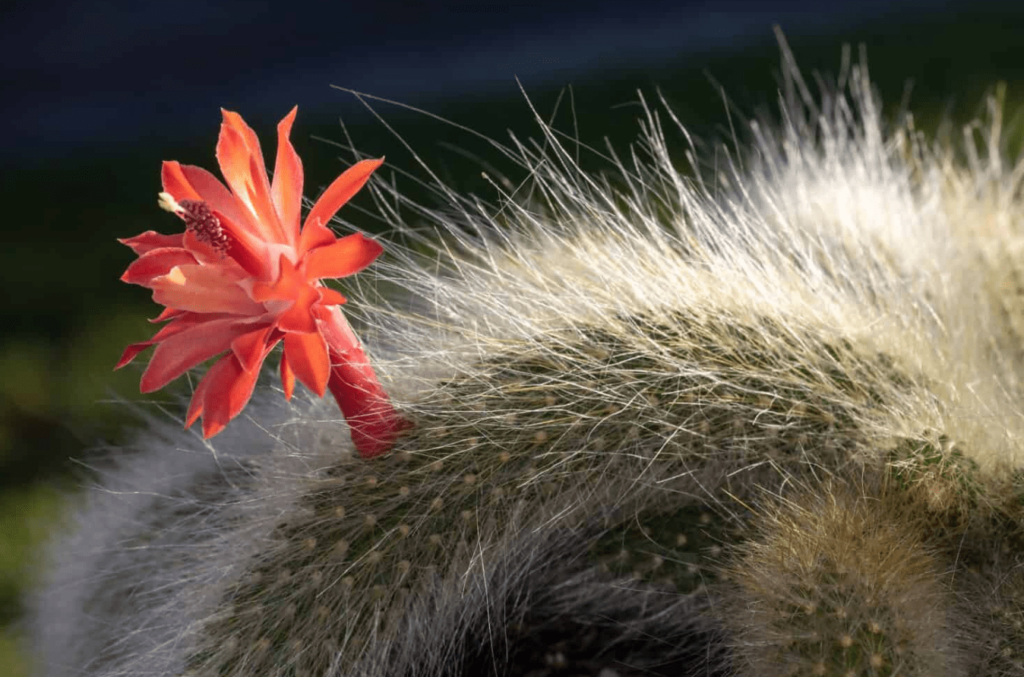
[{"x": 835, "y": 586}]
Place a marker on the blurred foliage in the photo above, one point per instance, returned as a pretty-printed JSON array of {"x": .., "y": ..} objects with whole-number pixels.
[
  {"x": 65, "y": 328},
  {"x": 28, "y": 514}
]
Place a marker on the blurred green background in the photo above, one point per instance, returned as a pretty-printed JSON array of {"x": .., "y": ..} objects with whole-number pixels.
[{"x": 67, "y": 317}]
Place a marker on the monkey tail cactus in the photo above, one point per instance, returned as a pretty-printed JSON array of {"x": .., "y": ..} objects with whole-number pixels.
[
  {"x": 840, "y": 583},
  {"x": 590, "y": 394}
]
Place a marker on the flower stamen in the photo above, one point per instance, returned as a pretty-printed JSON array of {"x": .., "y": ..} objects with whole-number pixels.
[
  {"x": 167, "y": 203},
  {"x": 201, "y": 220}
]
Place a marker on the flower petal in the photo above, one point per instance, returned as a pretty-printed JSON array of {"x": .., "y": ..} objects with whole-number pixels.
[
  {"x": 314, "y": 234},
  {"x": 290, "y": 286},
  {"x": 181, "y": 321},
  {"x": 339, "y": 192},
  {"x": 182, "y": 350},
  {"x": 150, "y": 240},
  {"x": 167, "y": 314},
  {"x": 299, "y": 317},
  {"x": 154, "y": 263},
  {"x": 204, "y": 289},
  {"x": 228, "y": 395},
  {"x": 175, "y": 182},
  {"x": 223, "y": 393},
  {"x": 241, "y": 163},
  {"x": 195, "y": 406},
  {"x": 285, "y": 286},
  {"x": 131, "y": 352},
  {"x": 345, "y": 257},
  {"x": 286, "y": 189},
  {"x": 248, "y": 348},
  {"x": 307, "y": 357},
  {"x": 287, "y": 377},
  {"x": 330, "y": 297},
  {"x": 217, "y": 380}
]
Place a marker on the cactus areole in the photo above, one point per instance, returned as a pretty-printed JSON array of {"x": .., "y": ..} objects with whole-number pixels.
[{"x": 244, "y": 276}]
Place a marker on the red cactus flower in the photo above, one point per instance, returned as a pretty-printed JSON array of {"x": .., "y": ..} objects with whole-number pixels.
[{"x": 243, "y": 276}]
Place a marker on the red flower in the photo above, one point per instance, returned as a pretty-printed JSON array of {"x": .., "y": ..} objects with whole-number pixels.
[{"x": 243, "y": 276}]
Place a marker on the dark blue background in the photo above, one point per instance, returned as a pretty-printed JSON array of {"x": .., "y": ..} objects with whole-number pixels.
[{"x": 94, "y": 77}]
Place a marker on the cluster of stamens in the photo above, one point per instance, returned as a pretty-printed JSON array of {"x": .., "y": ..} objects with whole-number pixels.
[{"x": 201, "y": 220}]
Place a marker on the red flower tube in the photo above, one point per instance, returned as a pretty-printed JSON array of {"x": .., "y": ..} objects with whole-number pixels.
[{"x": 244, "y": 276}]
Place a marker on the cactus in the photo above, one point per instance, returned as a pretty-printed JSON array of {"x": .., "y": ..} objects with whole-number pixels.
[
  {"x": 841, "y": 584},
  {"x": 762, "y": 422}
]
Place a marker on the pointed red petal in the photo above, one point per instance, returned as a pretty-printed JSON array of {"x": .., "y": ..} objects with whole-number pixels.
[
  {"x": 307, "y": 357},
  {"x": 217, "y": 379},
  {"x": 186, "y": 320},
  {"x": 175, "y": 183},
  {"x": 150, "y": 240},
  {"x": 287, "y": 377},
  {"x": 314, "y": 234},
  {"x": 339, "y": 192},
  {"x": 330, "y": 297},
  {"x": 131, "y": 352},
  {"x": 183, "y": 349},
  {"x": 167, "y": 314},
  {"x": 182, "y": 321},
  {"x": 290, "y": 285},
  {"x": 195, "y": 406},
  {"x": 241, "y": 163},
  {"x": 248, "y": 348},
  {"x": 286, "y": 189},
  {"x": 229, "y": 391},
  {"x": 286, "y": 286},
  {"x": 204, "y": 289},
  {"x": 259, "y": 197},
  {"x": 299, "y": 318},
  {"x": 346, "y": 256},
  {"x": 154, "y": 263}
]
